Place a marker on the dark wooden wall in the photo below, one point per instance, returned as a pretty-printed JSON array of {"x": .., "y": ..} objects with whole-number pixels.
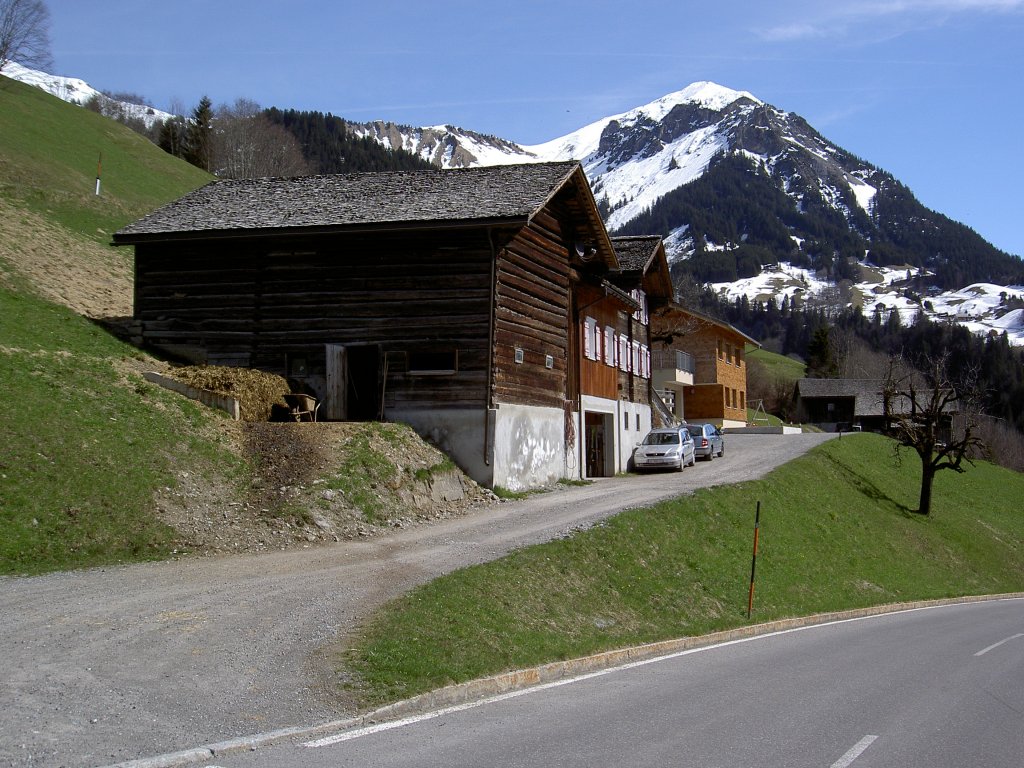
[
  {"x": 266, "y": 304},
  {"x": 532, "y": 312}
]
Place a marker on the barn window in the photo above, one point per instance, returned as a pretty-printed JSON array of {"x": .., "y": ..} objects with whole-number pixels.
[
  {"x": 520, "y": 356},
  {"x": 434, "y": 363}
]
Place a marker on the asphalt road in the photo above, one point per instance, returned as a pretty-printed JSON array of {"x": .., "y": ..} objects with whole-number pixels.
[
  {"x": 935, "y": 688},
  {"x": 107, "y": 665}
]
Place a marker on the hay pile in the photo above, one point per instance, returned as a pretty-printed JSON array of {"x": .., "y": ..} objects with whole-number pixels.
[{"x": 257, "y": 392}]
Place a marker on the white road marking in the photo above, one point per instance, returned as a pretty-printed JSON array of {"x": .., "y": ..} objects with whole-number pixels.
[
  {"x": 983, "y": 651},
  {"x": 854, "y": 753}
]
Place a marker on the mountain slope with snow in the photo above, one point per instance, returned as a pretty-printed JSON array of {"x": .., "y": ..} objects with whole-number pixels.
[{"x": 77, "y": 91}]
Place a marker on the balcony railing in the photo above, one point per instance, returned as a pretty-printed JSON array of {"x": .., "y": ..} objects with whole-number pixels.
[{"x": 673, "y": 359}]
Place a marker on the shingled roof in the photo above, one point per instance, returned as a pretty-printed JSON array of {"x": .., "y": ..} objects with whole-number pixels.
[
  {"x": 360, "y": 200},
  {"x": 644, "y": 256},
  {"x": 635, "y": 253}
]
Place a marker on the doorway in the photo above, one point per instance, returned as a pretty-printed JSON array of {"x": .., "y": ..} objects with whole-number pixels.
[
  {"x": 353, "y": 382},
  {"x": 594, "y": 429}
]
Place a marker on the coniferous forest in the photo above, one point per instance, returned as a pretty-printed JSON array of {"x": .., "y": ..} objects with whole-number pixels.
[{"x": 330, "y": 147}]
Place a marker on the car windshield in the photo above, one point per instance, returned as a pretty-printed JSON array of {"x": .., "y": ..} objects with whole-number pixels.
[{"x": 662, "y": 438}]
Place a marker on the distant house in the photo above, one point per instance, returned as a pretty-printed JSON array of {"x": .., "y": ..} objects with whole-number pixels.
[
  {"x": 844, "y": 404},
  {"x": 700, "y": 367},
  {"x": 486, "y": 307}
]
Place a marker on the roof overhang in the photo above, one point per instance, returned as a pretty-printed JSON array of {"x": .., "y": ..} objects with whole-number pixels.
[{"x": 298, "y": 232}]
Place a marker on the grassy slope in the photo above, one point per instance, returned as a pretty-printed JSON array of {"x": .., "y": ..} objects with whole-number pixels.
[
  {"x": 836, "y": 533},
  {"x": 48, "y": 156},
  {"x": 780, "y": 366},
  {"x": 772, "y": 366},
  {"x": 87, "y": 442}
]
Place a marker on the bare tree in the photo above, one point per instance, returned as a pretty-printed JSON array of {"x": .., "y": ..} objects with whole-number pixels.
[
  {"x": 920, "y": 410},
  {"x": 25, "y": 33},
  {"x": 246, "y": 145},
  {"x": 672, "y": 323}
]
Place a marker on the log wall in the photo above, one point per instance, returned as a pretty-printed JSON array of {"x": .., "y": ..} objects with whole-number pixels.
[{"x": 274, "y": 305}]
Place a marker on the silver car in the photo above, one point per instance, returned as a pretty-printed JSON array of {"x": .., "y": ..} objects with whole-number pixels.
[
  {"x": 707, "y": 440},
  {"x": 670, "y": 448}
]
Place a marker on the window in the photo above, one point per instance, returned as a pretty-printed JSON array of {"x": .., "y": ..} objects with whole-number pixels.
[
  {"x": 743, "y": 400},
  {"x": 638, "y": 422},
  {"x": 610, "y": 357},
  {"x": 590, "y": 350},
  {"x": 721, "y": 352},
  {"x": 549, "y": 361},
  {"x": 519, "y": 355},
  {"x": 625, "y": 420},
  {"x": 434, "y": 363},
  {"x": 641, "y": 315}
]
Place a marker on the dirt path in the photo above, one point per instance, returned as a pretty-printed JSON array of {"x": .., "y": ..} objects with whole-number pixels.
[{"x": 108, "y": 665}]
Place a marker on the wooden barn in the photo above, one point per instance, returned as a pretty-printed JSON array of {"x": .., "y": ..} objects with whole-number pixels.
[{"x": 463, "y": 302}]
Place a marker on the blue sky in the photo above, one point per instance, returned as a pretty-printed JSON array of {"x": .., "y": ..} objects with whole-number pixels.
[{"x": 929, "y": 90}]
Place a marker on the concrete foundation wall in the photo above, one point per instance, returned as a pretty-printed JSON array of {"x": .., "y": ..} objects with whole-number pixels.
[
  {"x": 525, "y": 444},
  {"x": 459, "y": 433}
]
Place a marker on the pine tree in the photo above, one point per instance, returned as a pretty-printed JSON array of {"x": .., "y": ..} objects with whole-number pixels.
[
  {"x": 199, "y": 144},
  {"x": 821, "y": 362}
]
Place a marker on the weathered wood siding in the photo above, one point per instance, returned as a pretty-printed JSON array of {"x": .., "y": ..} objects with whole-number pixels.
[
  {"x": 597, "y": 377},
  {"x": 266, "y": 304},
  {"x": 531, "y": 313}
]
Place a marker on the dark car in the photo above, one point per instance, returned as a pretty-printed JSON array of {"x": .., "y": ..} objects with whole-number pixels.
[{"x": 708, "y": 441}]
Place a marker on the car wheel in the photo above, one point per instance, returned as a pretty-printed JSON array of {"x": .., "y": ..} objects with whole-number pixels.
[
  {"x": 682, "y": 463},
  {"x": 711, "y": 455},
  {"x": 721, "y": 452}
]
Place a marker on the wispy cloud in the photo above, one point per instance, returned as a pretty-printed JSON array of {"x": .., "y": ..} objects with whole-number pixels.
[{"x": 842, "y": 18}]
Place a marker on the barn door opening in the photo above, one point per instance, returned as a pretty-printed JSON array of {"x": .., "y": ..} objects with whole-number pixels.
[{"x": 353, "y": 382}]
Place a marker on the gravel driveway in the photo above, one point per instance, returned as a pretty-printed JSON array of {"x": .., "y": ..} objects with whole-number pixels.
[{"x": 111, "y": 664}]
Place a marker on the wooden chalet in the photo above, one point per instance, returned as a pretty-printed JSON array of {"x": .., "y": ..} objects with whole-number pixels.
[{"x": 464, "y": 302}]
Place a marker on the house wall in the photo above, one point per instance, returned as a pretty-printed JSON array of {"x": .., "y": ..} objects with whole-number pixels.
[
  {"x": 719, "y": 393},
  {"x": 531, "y": 313},
  {"x": 529, "y": 446},
  {"x": 626, "y": 424}
]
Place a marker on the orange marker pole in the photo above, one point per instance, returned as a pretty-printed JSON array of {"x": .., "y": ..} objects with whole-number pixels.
[{"x": 753, "y": 564}]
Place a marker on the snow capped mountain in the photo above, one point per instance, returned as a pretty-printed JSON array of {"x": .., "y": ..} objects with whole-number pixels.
[
  {"x": 445, "y": 145},
  {"x": 800, "y": 215}
]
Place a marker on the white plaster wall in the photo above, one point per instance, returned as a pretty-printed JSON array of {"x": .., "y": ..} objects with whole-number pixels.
[
  {"x": 529, "y": 446},
  {"x": 624, "y": 437}
]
